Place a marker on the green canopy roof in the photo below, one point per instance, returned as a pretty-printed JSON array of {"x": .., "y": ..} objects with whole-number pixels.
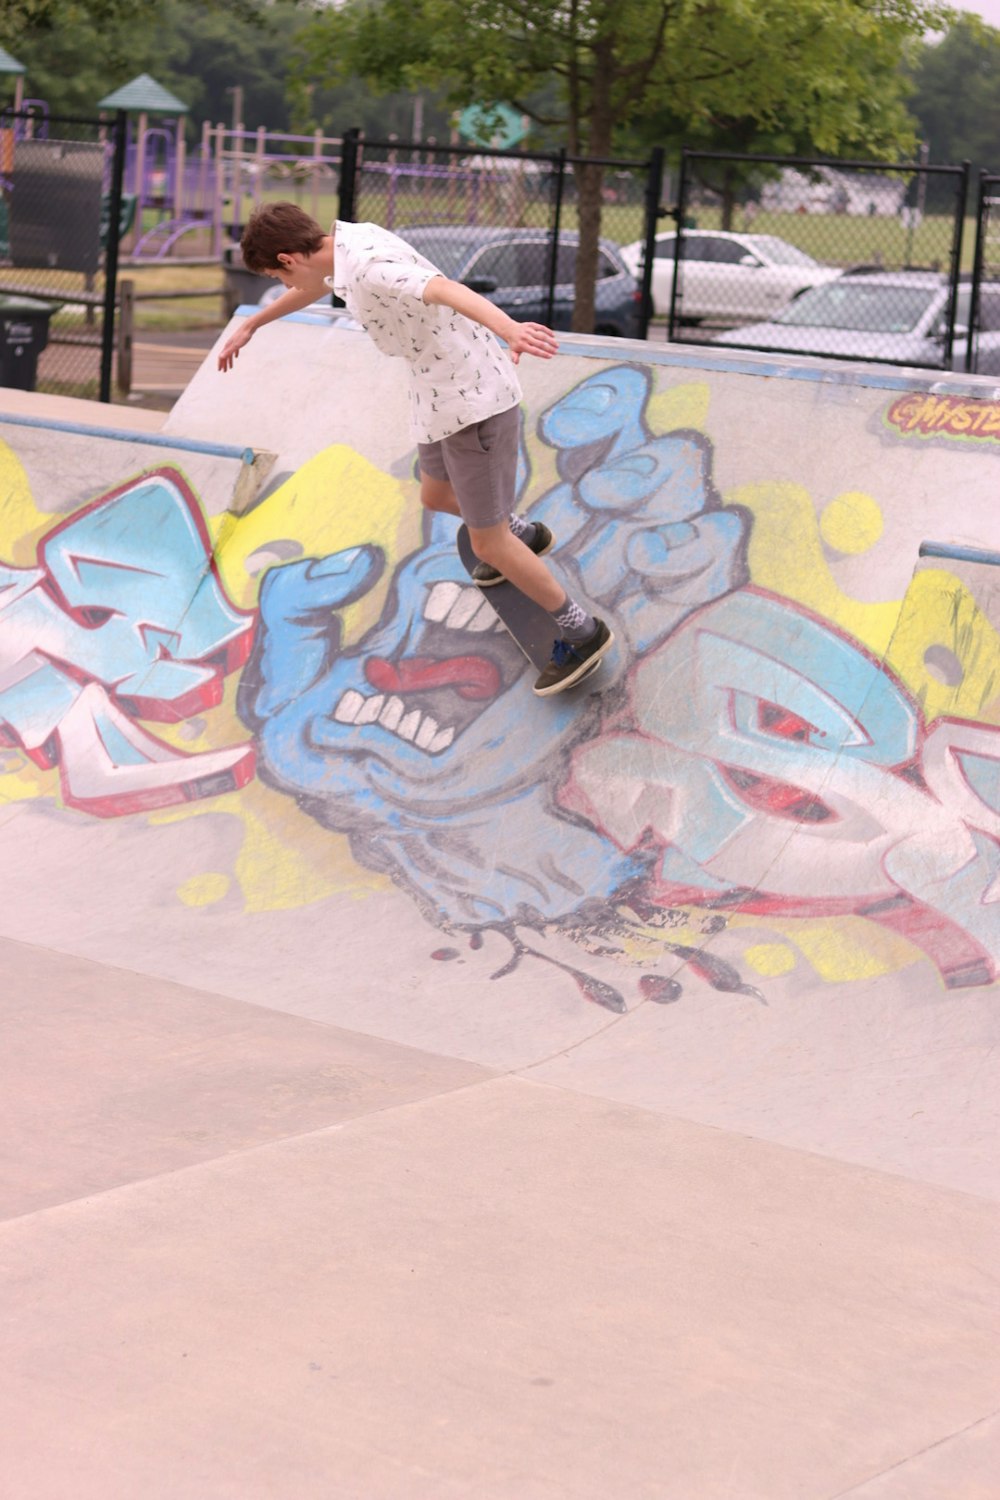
[
  {"x": 10, "y": 64},
  {"x": 144, "y": 96}
]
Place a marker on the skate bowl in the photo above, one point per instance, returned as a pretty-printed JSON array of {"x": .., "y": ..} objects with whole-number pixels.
[{"x": 261, "y": 741}]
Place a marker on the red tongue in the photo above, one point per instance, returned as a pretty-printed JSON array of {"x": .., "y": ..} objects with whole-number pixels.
[{"x": 471, "y": 676}]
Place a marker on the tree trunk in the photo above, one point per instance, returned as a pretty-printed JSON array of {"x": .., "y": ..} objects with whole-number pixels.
[{"x": 590, "y": 184}]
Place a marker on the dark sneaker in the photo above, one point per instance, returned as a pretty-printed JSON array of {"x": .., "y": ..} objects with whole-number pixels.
[
  {"x": 543, "y": 541},
  {"x": 573, "y": 660}
]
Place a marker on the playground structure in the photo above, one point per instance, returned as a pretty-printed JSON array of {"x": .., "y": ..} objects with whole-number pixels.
[
  {"x": 205, "y": 196},
  {"x": 209, "y": 193}
]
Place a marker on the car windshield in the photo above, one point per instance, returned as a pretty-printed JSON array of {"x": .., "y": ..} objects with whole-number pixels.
[
  {"x": 864, "y": 307},
  {"x": 782, "y": 253}
]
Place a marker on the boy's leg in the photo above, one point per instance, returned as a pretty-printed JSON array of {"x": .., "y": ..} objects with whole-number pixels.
[
  {"x": 582, "y": 639},
  {"x": 498, "y": 546},
  {"x": 437, "y": 494}
]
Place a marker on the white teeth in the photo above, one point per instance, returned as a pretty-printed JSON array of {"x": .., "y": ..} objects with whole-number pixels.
[
  {"x": 463, "y": 609},
  {"x": 371, "y": 710},
  {"x": 459, "y": 608},
  {"x": 484, "y": 618},
  {"x": 426, "y": 733},
  {"x": 440, "y": 600},
  {"x": 415, "y": 727},
  {"x": 392, "y": 713},
  {"x": 346, "y": 711}
]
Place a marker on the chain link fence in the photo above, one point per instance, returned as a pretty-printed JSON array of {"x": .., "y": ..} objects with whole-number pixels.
[
  {"x": 982, "y": 310},
  {"x": 508, "y": 223},
  {"x": 60, "y": 210},
  {"x": 846, "y": 260}
]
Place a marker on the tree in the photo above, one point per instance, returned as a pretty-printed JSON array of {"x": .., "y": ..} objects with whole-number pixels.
[
  {"x": 956, "y": 94},
  {"x": 111, "y": 19},
  {"x": 200, "y": 53},
  {"x": 825, "y": 67}
]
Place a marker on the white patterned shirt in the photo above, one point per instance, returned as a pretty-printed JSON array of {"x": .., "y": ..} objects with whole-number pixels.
[{"x": 459, "y": 372}]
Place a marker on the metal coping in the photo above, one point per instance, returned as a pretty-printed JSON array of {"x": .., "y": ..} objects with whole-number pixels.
[
  {"x": 945, "y": 383},
  {"x": 124, "y": 435},
  {"x": 960, "y": 554}
]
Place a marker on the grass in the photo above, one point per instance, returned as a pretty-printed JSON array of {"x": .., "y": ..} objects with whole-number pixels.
[
  {"x": 172, "y": 314},
  {"x": 836, "y": 239}
]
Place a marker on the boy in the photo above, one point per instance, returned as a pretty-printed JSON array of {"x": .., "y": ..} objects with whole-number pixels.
[{"x": 464, "y": 394}]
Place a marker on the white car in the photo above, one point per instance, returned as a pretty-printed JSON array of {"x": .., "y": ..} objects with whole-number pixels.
[{"x": 727, "y": 277}]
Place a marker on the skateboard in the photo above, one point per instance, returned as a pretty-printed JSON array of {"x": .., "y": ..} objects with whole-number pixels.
[{"x": 527, "y": 624}]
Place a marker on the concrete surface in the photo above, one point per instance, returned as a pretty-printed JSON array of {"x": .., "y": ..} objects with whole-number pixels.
[{"x": 398, "y": 1124}]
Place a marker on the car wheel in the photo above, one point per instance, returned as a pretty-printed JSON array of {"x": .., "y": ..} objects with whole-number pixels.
[{"x": 608, "y": 331}]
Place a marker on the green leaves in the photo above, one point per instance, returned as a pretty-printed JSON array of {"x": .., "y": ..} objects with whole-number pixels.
[{"x": 822, "y": 70}]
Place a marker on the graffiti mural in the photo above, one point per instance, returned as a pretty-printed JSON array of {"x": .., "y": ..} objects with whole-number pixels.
[
  {"x": 793, "y": 729},
  {"x": 762, "y": 751},
  {"x": 415, "y": 740},
  {"x": 122, "y": 619}
]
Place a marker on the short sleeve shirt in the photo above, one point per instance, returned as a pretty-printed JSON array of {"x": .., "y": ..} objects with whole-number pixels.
[{"x": 459, "y": 373}]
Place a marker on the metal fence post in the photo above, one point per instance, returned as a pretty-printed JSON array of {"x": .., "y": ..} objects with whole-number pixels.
[
  {"x": 550, "y": 301},
  {"x": 654, "y": 192},
  {"x": 126, "y": 330},
  {"x": 971, "y": 353},
  {"x": 111, "y": 254},
  {"x": 679, "y": 215},
  {"x": 956, "y": 262},
  {"x": 347, "y": 201}
]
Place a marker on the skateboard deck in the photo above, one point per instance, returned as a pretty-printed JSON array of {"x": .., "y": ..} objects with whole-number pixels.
[{"x": 527, "y": 624}]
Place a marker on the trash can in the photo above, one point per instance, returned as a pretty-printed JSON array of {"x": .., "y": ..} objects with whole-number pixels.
[
  {"x": 24, "y": 333},
  {"x": 241, "y": 285}
]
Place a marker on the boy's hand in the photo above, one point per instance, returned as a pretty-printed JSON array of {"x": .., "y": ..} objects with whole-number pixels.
[
  {"x": 231, "y": 348},
  {"x": 531, "y": 338}
]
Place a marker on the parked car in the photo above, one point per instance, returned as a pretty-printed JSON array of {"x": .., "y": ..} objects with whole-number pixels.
[
  {"x": 511, "y": 268},
  {"x": 727, "y": 277},
  {"x": 897, "y": 317}
]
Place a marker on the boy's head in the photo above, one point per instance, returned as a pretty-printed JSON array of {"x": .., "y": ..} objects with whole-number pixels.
[{"x": 278, "y": 229}]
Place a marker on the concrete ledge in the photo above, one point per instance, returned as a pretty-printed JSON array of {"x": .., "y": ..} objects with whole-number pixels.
[{"x": 70, "y": 409}]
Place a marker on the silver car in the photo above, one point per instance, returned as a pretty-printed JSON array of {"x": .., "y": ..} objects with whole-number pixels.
[{"x": 892, "y": 317}]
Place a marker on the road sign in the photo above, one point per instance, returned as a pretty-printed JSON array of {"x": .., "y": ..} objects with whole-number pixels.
[{"x": 496, "y": 125}]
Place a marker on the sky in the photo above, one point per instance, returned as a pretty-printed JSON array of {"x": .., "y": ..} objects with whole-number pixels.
[{"x": 988, "y": 9}]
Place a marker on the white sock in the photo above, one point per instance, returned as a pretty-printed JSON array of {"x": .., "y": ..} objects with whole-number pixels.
[
  {"x": 523, "y": 529},
  {"x": 573, "y": 621}
]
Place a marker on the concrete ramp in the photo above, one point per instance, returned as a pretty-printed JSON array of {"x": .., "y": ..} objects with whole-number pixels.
[{"x": 266, "y": 755}]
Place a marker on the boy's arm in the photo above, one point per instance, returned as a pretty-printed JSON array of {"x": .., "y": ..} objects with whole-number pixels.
[
  {"x": 520, "y": 338},
  {"x": 294, "y": 300}
]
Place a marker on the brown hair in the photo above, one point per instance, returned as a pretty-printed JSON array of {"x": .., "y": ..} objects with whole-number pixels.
[{"x": 277, "y": 229}]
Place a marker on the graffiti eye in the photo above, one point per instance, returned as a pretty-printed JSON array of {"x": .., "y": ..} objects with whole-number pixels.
[
  {"x": 764, "y": 794},
  {"x": 783, "y": 724},
  {"x": 92, "y": 616}
]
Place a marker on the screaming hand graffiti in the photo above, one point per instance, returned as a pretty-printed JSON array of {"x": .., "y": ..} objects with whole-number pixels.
[{"x": 739, "y": 757}]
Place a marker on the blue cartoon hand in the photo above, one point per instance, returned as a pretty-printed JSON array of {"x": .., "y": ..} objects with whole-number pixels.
[
  {"x": 647, "y": 537},
  {"x": 301, "y": 636}
]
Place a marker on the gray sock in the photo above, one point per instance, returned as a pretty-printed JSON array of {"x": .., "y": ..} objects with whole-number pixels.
[
  {"x": 523, "y": 529},
  {"x": 573, "y": 621}
]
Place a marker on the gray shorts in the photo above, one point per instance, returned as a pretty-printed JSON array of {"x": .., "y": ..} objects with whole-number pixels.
[{"x": 480, "y": 464}]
